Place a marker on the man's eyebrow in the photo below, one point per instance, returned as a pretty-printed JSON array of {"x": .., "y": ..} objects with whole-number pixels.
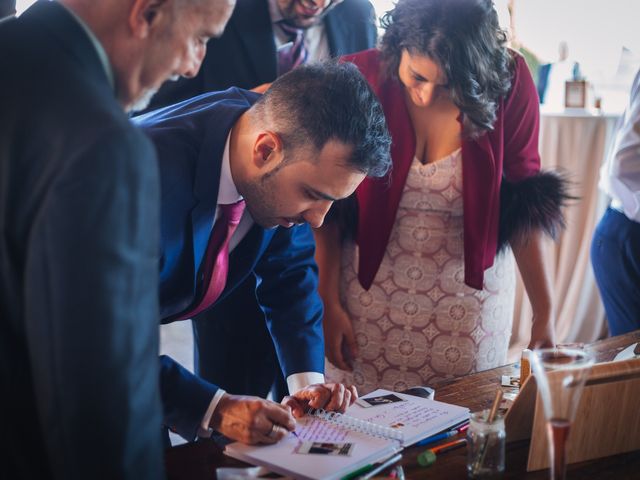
[{"x": 322, "y": 195}]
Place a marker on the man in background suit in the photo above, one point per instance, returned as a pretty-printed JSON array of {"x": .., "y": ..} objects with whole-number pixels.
[
  {"x": 79, "y": 216},
  {"x": 7, "y": 8},
  {"x": 286, "y": 156},
  {"x": 246, "y": 56}
]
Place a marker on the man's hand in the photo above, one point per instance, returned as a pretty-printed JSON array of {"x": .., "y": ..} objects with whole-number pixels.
[
  {"x": 252, "y": 419},
  {"x": 330, "y": 396}
]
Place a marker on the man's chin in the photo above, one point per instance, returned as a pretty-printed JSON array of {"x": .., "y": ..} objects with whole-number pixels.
[
  {"x": 268, "y": 224},
  {"x": 306, "y": 22},
  {"x": 143, "y": 101}
]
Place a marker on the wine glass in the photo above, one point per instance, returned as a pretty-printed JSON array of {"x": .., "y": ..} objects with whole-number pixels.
[{"x": 560, "y": 374}]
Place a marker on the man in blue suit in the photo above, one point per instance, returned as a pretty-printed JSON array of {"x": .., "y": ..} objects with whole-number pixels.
[
  {"x": 80, "y": 227},
  {"x": 246, "y": 56},
  {"x": 289, "y": 154}
]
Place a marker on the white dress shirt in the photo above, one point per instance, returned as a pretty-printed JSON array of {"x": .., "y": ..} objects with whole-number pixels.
[
  {"x": 228, "y": 193},
  {"x": 620, "y": 175}
]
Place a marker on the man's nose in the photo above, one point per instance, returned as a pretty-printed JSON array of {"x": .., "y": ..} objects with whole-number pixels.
[
  {"x": 193, "y": 62},
  {"x": 315, "y": 216}
]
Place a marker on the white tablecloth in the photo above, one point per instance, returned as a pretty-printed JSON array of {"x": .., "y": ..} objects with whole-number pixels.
[{"x": 575, "y": 143}]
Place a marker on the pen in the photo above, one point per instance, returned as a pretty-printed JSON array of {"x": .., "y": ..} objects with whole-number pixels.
[
  {"x": 358, "y": 472},
  {"x": 436, "y": 438},
  {"x": 400, "y": 472},
  {"x": 449, "y": 446},
  {"x": 381, "y": 467}
]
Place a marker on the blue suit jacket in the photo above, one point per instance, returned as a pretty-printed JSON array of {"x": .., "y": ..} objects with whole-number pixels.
[{"x": 190, "y": 139}]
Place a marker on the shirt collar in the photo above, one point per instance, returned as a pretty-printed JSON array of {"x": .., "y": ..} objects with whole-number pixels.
[
  {"x": 102, "y": 54},
  {"x": 274, "y": 11},
  {"x": 227, "y": 191}
]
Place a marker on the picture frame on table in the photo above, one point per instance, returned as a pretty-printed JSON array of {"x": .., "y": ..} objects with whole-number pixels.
[{"x": 575, "y": 94}]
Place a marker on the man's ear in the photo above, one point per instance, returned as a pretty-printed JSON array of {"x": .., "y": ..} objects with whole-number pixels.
[
  {"x": 144, "y": 14},
  {"x": 267, "y": 150}
]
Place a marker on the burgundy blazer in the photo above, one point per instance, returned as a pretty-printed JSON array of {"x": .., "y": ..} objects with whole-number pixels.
[{"x": 510, "y": 150}]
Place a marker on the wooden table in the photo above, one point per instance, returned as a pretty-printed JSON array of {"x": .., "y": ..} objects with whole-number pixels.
[{"x": 195, "y": 461}]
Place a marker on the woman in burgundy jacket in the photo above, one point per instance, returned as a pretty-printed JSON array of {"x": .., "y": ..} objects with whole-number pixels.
[{"x": 417, "y": 273}]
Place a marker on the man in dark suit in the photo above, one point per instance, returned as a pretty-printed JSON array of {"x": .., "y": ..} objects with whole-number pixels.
[
  {"x": 79, "y": 216},
  {"x": 310, "y": 140},
  {"x": 246, "y": 56},
  {"x": 7, "y": 8}
]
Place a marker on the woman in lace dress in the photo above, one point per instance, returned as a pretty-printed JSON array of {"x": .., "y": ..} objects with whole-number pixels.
[{"x": 417, "y": 292}]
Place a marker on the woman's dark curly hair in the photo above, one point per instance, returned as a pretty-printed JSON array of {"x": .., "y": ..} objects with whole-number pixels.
[{"x": 464, "y": 38}]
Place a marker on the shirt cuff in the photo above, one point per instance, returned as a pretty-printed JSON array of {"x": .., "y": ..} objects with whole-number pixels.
[
  {"x": 298, "y": 381},
  {"x": 205, "y": 430}
]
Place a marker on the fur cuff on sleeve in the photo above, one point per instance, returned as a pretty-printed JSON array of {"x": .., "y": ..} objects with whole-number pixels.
[{"x": 534, "y": 203}]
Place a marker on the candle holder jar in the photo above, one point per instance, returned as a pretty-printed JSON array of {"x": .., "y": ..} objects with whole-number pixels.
[{"x": 486, "y": 446}]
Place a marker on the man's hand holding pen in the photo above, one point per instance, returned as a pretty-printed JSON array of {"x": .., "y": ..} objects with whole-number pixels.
[{"x": 254, "y": 420}]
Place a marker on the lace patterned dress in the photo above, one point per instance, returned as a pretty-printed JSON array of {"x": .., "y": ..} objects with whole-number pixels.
[{"x": 419, "y": 322}]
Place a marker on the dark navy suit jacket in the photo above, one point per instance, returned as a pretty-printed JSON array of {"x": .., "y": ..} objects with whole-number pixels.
[
  {"x": 190, "y": 139},
  {"x": 245, "y": 55},
  {"x": 79, "y": 223}
]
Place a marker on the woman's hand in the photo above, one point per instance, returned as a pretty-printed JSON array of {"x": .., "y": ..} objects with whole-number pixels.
[
  {"x": 529, "y": 255},
  {"x": 543, "y": 334},
  {"x": 340, "y": 344}
]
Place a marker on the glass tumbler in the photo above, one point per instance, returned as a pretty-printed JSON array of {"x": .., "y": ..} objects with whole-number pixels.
[{"x": 486, "y": 446}]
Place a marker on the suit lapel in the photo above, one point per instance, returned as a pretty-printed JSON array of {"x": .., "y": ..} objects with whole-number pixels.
[
  {"x": 61, "y": 25},
  {"x": 252, "y": 25},
  {"x": 220, "y": 118},
  {"x": 338, "y": 34}
]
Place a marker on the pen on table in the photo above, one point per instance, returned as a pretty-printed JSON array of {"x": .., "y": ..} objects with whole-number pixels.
[
  {"x": 460, "y": 428},
  {"x": 436, "y": 438},
  {"x": 358, "y": 472},
  {"x": 449, "y": 446},
  {"x": 367, "y": 468},
  {"x": 428, "y": 457},
  {"x": 381, "y": 467}
]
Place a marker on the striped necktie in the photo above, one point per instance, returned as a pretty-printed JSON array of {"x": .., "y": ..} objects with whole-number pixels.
[
  {"x": 294, "y": 53},
  {"x": 216, "y": 261}
]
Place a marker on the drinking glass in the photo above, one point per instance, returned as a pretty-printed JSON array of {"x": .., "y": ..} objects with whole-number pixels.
[{"x": 560, "y": 375}]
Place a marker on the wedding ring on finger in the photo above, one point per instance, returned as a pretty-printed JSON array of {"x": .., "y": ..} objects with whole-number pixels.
[{"x": 272, "y": 433}]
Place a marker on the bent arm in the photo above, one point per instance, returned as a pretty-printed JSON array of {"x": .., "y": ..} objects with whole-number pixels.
[
  {"x": 287, "y": 292},
  {"x": 529, "y": 255}
]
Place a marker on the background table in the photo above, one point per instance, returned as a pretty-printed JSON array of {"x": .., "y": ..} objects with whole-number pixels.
[
  {"x": 575, "y": 143},
  {"x": 196, "y": 461}
]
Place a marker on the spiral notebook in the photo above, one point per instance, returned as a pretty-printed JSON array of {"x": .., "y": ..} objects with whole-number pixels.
[{"x": 329, "y": 445}]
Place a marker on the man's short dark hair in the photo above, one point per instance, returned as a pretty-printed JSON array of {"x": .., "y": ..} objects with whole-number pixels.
[{"x": 318, "y": 102}]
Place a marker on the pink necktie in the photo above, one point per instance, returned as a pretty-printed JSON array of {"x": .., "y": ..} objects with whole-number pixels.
[
  {"x": 294, "y": 54},
  {"x": 216, "y": 263}
]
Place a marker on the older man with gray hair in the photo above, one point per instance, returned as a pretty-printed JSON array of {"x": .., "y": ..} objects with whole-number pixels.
[{"x": 79, "y": 216}]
